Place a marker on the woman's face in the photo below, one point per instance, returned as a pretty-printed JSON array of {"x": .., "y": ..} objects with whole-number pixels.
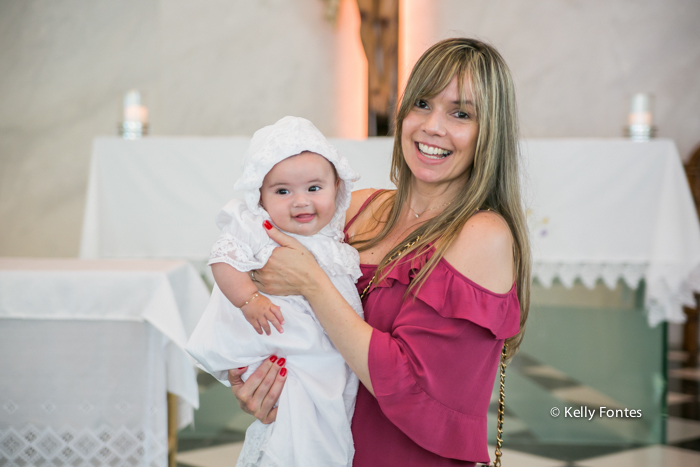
[
  {"x": 439, "y": 137},
  {"x": 299, "y": 193}
]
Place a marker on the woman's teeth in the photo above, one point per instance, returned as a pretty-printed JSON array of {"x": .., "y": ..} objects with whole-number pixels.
[{"x": 431, "y": 152}]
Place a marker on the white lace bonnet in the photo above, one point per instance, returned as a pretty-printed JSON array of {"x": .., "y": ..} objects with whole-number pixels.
[{"x": 289, "y": 137}]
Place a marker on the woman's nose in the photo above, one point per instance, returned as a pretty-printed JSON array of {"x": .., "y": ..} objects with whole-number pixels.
[{"x": 434, "y": 124}]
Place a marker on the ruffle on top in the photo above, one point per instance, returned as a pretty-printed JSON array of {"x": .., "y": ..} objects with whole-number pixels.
[
  {"x": 244, "y": 244},
  {"x": 453, "y": 295}
]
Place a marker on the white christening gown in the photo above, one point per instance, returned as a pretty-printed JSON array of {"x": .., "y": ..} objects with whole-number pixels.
[{"x": 316, "y": 405}]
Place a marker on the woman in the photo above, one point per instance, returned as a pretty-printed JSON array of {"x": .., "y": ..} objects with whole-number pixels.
[{"x": 446, "y": 270}]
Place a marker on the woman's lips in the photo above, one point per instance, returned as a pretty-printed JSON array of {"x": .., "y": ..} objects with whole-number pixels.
[
  {"x": 304, "y": 218},
  {"x": 431, "y": 159}
]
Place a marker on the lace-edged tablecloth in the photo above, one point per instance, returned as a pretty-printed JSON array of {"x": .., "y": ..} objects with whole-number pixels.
[
  {"x": 614, "y": 210},
  {"x": 90, "y": 349}
]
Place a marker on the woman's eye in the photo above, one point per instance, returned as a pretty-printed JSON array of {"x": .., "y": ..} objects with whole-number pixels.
[
  {"x": 282, "y": 191},
  {"x": 420, "y": 103},
  {"x": 314, "y": 188},
  {"x": 461, "y": 114}
]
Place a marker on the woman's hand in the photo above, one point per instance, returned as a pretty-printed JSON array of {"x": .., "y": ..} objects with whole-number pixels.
[
  {"x": 293, "y": 270},
  {"x": 290, "y": 270},
  {"x": 260, "y": 392}
]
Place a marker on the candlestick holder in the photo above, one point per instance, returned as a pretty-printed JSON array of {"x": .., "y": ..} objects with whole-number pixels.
[{"x": 133, "y": 130}]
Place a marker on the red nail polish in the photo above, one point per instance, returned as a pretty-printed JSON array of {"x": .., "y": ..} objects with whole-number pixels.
[
  {"x": 273, "y": 358},
  {"x": 267, "y": 225},
  {"x": 241, "y": 368},
  {"x": 281, "y": 361},
  {"x": 283, "y": 372}
]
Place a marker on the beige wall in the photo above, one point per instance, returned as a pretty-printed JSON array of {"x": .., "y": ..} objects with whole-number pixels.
[
  {"x": 214, "y": 67},
  {"x": 222, "y": 67},
  {"x": 577, "y": 62}
]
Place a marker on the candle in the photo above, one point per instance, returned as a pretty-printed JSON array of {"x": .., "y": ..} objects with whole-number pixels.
[
  {"x": 639, "y": 126},
  {"x": 640, "y": 110},
  {"x": 133, "y": 110},
  {"x": 135, "y": 124},
  {"x": 136, "y": 113}
]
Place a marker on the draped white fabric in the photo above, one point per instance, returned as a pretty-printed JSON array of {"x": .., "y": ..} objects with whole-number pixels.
[
  {"x": 606, "y": 209},
  {"x": 614, "y": 210},
  {"x": 90, "y": 349}
]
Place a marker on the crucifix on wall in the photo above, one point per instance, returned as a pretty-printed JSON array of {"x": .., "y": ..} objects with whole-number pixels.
[{"x": 379, "y": 31}]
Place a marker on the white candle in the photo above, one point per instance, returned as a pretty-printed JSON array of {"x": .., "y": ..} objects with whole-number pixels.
[
  {"x": 136, "y": 113},
  {"x": 640, "y": 110},
  {"x": 133, "y": 110}
]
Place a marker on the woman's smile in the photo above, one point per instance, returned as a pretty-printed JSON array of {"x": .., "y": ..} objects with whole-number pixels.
[{"x": 433, "y": 154}]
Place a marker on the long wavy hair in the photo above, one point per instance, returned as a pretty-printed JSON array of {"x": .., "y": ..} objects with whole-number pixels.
[{"x": 493, "y": 180}]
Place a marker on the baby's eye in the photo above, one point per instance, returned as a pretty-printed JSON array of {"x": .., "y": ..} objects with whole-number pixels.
[
  {"x": 314, "y": 188},
  {"x": 282, "y": 191},
  {"x": 420, "y": 103}
]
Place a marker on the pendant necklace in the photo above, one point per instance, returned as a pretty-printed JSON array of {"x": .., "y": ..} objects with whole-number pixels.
[{"x": 431, "y": 209}]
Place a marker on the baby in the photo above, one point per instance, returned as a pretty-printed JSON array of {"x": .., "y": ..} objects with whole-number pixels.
[{"x": 293, "y": 178}]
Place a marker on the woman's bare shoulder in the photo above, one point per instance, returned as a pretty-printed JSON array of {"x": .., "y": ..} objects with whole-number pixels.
[
  {"x": 357, "y": 199},
  {"x": 483, "y": 252}
]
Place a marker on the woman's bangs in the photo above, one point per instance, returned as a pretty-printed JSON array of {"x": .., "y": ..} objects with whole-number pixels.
[
  {"x": 437, "y": 79},
  {"x": 465, "y": 78}
]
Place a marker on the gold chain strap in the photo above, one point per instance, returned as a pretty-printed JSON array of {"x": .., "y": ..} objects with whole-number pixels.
[
  {"x": 501, "y": 408},
  {"x": 501, "y": 398},
  {"x": 391, "y": 258}
]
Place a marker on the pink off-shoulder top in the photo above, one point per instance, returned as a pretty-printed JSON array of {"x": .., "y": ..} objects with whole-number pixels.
[{"x": 433, "y": 359}]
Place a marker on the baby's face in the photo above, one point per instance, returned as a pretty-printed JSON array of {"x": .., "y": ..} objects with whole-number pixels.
[{"x": 299, "y": 193}]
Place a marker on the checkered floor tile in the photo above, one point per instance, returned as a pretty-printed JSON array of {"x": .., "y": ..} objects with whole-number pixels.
[{"x": 682, "y": 430}]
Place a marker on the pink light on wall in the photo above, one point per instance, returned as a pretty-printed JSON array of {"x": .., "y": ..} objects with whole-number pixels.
[
  {"x": 416, "y": 34},
  {"x": 351, "y": 74}
]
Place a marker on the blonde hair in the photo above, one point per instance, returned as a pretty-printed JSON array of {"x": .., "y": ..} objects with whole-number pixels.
[{"x": 493, "y": 181}]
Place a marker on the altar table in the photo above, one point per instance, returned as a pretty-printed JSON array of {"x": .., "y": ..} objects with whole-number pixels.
[
  {"x": 598, "y": 209},
  {"x": 90, "y": 348}
]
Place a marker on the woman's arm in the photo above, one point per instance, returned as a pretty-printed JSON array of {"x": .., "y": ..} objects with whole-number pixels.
[{"x": 292, "y": 269}]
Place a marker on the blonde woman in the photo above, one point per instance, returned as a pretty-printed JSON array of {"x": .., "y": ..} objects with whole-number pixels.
[{"x": 445, "y": 260}]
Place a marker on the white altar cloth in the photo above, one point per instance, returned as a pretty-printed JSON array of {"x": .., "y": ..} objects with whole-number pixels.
[
  {"x": 614, "y": 209},
  {"x": 90, "y": 348},
  {"x": 604, "y": 209}
]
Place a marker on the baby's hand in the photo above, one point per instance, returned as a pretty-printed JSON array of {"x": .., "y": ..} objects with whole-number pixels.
[{"x": 259, "y": 310}]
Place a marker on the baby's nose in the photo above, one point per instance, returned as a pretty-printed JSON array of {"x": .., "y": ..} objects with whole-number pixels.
[{"x": 300, "y": 199}]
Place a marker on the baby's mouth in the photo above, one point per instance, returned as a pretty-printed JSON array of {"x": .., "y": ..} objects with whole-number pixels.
[
  {"x": 432, "y": 152},
  {"x": 307, "y": 217}
]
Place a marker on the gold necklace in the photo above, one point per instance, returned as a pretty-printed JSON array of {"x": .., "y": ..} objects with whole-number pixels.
[{"x": 431, "y": 209}]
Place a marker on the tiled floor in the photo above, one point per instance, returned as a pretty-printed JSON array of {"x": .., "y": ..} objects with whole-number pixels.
[{"x": 682, "y": 428}]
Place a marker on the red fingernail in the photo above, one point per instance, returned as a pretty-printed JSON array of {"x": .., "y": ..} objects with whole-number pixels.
[
  {"x": 273, "y": 358},
  {"x": 281, "y": 361},
  {"x": 283, "y": 372},
  {"x": 267, "y": 225},
  {"x": 241, "y": 368}
]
